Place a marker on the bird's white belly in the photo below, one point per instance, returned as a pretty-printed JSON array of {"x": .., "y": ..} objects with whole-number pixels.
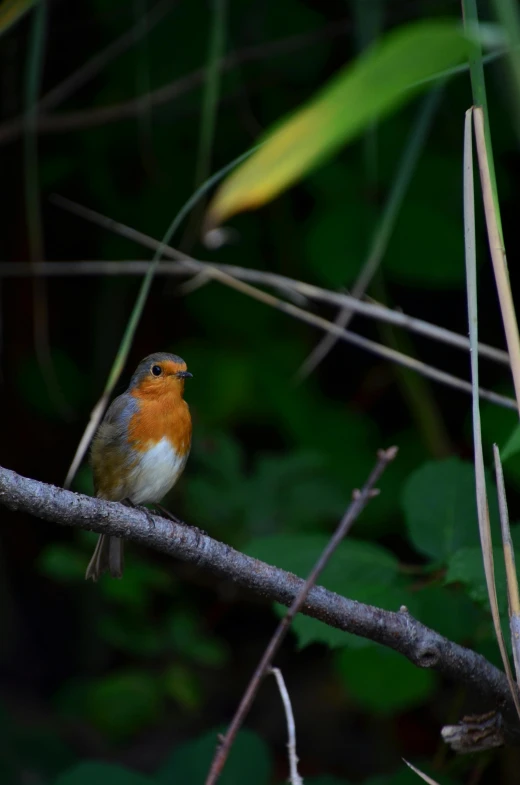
[{"x": 158, "y": 470}]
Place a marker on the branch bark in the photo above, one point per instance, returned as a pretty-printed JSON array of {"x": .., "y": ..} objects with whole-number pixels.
[{"x": 397, "y": 630}]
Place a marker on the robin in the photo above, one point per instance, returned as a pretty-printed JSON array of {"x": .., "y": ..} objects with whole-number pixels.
[{"x": 141, "y": 447}]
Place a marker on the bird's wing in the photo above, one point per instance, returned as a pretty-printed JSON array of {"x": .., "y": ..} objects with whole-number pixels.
[{"x": 110, "y": 454}]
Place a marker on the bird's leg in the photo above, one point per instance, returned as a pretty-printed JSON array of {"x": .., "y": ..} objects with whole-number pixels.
[
  {"x": 141, "y": 508},
  {"x": 167, "y": 514}
]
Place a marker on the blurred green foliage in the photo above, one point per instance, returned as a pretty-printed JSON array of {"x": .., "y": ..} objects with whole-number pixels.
[{"x": 167, "y": 652}]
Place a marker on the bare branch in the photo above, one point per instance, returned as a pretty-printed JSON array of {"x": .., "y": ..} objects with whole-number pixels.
[
  {"x": 188, "y": 266},
  {"x": 359, "y": 501},
  {"x": 397, "y": 630}
]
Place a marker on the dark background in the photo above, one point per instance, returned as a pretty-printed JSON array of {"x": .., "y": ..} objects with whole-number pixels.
[{"x": 131, "y": 671}]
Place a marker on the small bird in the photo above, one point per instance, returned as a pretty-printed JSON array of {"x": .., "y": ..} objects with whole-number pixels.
[{"x": 141, "y": 447}]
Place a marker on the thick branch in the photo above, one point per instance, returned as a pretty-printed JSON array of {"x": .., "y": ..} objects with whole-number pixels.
[{"x": 398, "y": 630}]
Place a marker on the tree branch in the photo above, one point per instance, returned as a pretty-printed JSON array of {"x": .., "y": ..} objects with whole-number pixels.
[{"x": 397, "y": 630}]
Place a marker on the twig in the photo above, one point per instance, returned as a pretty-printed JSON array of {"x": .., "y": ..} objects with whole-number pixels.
[
  {"x": 509, "y": 558},
  {"x": 397, "y": 630},
  {"x": 87, "y": 118},
  {"x": 359, "y": 501},
  {"x": 480, "y": 477},
  {"x": 405, "y": 169},
  {"x": 187, "y": 265},
  {"x": 299, "y": 313},
  {"x": 97, "y": 62},
  {"x": 294, "y": 777}
]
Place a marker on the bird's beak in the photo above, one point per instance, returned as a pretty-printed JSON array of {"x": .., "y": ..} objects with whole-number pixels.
[{"x": 184, "y": 375}]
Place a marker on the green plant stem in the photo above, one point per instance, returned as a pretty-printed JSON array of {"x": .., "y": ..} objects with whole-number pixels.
[
  {"x": 478, "y": 86},
  {"x": 211, "y": 89},
  {"x": 135, "y": 316}
]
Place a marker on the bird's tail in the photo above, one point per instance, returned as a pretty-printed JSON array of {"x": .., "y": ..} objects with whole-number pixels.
[{"x": 108, "y": 555}]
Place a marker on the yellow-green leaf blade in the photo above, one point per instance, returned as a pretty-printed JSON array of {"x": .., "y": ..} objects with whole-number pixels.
[
  {"x": 11, "y": 11},
  {"x": 382, "y": 79}
]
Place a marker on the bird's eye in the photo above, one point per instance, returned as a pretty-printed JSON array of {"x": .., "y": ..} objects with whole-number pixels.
[{"x": 156, "y": 370}]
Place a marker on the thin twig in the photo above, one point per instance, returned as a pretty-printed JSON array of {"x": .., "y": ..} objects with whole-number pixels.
[
  {"x": 87, "y": 118},
  {"x": 406, "y": 167},
  {"x": 509, "y": 558},
  {"x": 294, "y": 777},
  {"x": 187, "y": 265},
  {"x": 305, "y": 316},
  {"x": 99, "y": 61},
  {"x": 359, "y": 501}
]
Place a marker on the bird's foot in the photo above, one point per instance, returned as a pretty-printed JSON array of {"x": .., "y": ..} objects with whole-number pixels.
[
  {"x": 167, "y": 514},
  {"x": 142, "y": 509}
]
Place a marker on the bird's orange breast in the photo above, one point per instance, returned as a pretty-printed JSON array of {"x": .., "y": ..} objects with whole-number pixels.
[{"x": 165, "y": 416}]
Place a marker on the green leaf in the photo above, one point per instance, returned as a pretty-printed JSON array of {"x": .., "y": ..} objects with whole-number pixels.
[
  {"x": 119, "y": 705},
  {"x": 465, "y": 566},
  {"x": 326, "y": 780},
  {"x": 131, "y": 632},
  {"x": 38, "y": 749},
  {"x": 292, "y": 492},
  {"x": 249, "y": 761},
  {"x": 181, "y": 684},
  {"x": 142, "y": 581},
  {"x": 383, "y": 596},
  {"x": 383, "y": 681},
  {"x": 440, "y": 507},
  {"x": 447, "y": 611},
  {"x": 359, "y": 570},
  {"x": 102, "y": 774},
  {"x": 440, "y": 263},
  {"x": 63, "y": 563},
  {"x": 184, "y": 630},
  {"x": 498, "y": 427},
  {"x": 354, "y": 563},
  {"x": 381, "y": 79},
  {"x": 512, "y": 446}
]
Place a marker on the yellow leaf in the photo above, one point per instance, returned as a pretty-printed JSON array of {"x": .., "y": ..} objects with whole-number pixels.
[
  {"x": 11, "y": 11},
  {"x": 379, "y": 81}
]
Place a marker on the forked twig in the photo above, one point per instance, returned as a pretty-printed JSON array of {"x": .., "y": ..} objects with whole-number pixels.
[
  {"x": 360, "y": 499},
  {"x": 289, "y": 308},
  {"x": 186, "y": 266},
  {"x": 294, "y": 777}
]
